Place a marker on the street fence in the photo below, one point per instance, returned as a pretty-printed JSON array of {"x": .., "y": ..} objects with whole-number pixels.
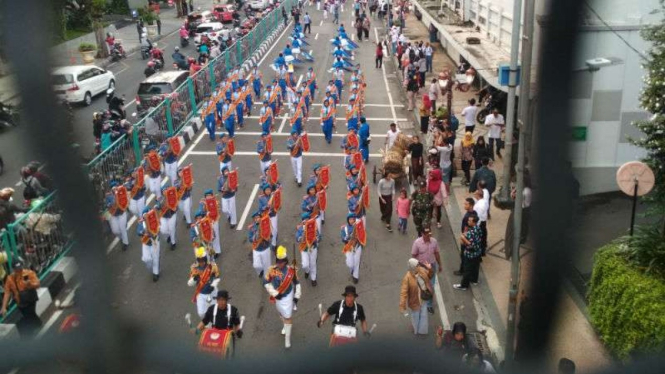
[{"x": 39, "y": 238}]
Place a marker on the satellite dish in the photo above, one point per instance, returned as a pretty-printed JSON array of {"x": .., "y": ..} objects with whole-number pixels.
[{"x": 635, "y": 178}]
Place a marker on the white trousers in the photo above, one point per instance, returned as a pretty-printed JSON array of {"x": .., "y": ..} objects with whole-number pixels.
[
  {"x": 273, "y": 227},
  {"x": 264, "y": 165},
  {"x": 285, "y": 304},
  {"x": 203, "y": 302},
  {"x": 186, "y": 207},
  {"x": 319, "y": 220},
  {"x": 216, "y": 242},
  {"x": 119, "y": 227},
  {"x": 296, "y": 164},
  {"x": 353, "y": 260},
  {"x": 155, "y": 186},
  {"x": 136, "y": 206},
  {"x": 309, "y": 261},
  {"x": 229, "y": 165},
  {"x": 171, "y": 171},
  {"x": 167, "y": 227},
  {"x": 150, "y": 256},
  {"x": 261, "y": 261},
  {"x": 419, "y": 319},
  {"x": 229, "y": 208}
]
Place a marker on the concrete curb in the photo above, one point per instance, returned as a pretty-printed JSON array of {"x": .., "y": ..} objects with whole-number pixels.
[{"x": 51, "y": 286}]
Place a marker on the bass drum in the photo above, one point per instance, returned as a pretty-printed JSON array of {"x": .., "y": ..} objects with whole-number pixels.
[{"x": 220, "y": 343}]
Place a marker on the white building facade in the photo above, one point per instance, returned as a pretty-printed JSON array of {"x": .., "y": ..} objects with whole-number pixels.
[{"x": 604, "y": 102}]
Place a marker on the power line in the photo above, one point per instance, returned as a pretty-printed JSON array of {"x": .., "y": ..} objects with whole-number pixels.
[{"x": 615, "y": 32}]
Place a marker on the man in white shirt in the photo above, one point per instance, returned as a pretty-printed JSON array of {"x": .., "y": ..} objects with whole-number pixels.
[
  {"x": 429, "y": 52},
  {"x": 496, "y": 124},
  {"x": 469, "y": 114},
  {"x": 391, "y": 135},
  {"x": 481, "y": 207}
]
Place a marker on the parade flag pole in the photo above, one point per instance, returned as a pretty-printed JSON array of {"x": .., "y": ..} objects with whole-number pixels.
[
  {"x": 242, "y": 322},
  {"x": 320, "y": 310},
  {"x": 371, "y": 330}
]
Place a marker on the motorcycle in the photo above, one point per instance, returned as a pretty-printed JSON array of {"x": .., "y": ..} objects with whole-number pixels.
[
  {"x": 490, "y": 98},
  {"x": 117, "y": 52},
  {"x": 159, "y": 65},
  {"x": 184, "y": 42},
  {"x": 464, "y": 81}
]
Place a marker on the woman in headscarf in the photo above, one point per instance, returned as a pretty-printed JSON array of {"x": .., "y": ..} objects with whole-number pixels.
[
  {"x": 414, "y": 293},
  {"x": 467, "y": 156}
]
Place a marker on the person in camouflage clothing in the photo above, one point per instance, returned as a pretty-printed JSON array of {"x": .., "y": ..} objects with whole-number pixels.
[{"x": 421, "y": 207}]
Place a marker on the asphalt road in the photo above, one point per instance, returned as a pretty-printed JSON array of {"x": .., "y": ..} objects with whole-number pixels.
[{"x": 160, "y": 307}]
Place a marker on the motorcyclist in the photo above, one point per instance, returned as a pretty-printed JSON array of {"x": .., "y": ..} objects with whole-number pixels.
[
  {"x": 157, "y": 53},
  {"x": 146, "y": 44},
  {"x": 184, "y": 34},
  {"x": 116, "y": 104},
  {"x": 150, "y": 69},
  {"x": 179, "y": 59}
]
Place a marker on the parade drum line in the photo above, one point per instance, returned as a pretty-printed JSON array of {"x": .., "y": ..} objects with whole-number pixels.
[{"x": 218, "y": 342}]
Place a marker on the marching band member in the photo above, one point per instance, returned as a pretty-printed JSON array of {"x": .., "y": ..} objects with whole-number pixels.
[
  {"x": 297, "y": 119},
  {"x": 305, "y": 95},
  {"x": 333, "y": 91},
  {"x": 148, "y": 230},
  {"x": 222, "y": 316},
  {"x": 260, "y": 247},
  {"x": 228, "y": 197},
  {"x": 352, "y": 246},
  {"x": 136, "y": 186},
  {"x": 271, "y": 97},
  {"x": 310, "y": 204},
  {"x": 308, "y": 251},
  {"x": 266, "y": 117},
  {"x": 194, "y": 233},
  {"x": 338, "y": 75},
  {"x": 241, "y": 76},
  {"x": 355, "y": 202},
  {"x": 208, "y": 113},
  {"x": 346, "y": 314},
  {"x": 117, "y": 202},
  {"x": 256, "y": 81},
  {"x": 167, "y": 206},
  {"x": 224, "y": 154},
  {"x": 208, "y": 204},
  {"x": 239, "y": 105},
  {"x": 152, "y": 164},
  {"x": 295, "y": 146},
  {"x": 205, "y": 276},
  {"x": 352, "y": 115},
  {"x": 279, "y": 97},
  {"x": 247, "y": 94},
  {"x": 170, "y": 158},
  {"x": 353, "y": 177},
  {"x": 282, "y": 75},
  {"x": 317, "y": 180},
  {"x": 327, "y": 120},
  {"x": 228, "y": 117},
  {"x": 185, "y": 197},
  {"x": 266, "y": 204},
  {"x": 365, "y": 138},
  {"x": 310, "y": 77},
  {"x": 281, "y": 282},
  {"x": 264, "y": 149}
]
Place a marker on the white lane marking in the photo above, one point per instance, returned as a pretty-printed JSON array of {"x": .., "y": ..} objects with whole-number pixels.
[
  {"x": 385, "y": 80},
  {"x": 321, "y": 23},
  {"x": 132, "y": 220},
  {"x": 281, "y": 127},
  {"x": 368, "y": 119},
  {"x": 353, "y": 37},
  {"x": 312, "y": 154},
  {"x": 56, "y": 314},
  {"x": 130, "y": 103},
  {"x": 275, "y": 43},
  {"x": 309, "y": 134},
  {"x": 366, "y": 105},
  {"x": 316, "y": 36},
  {"x": 439, "y": 303},
  {"x": 248, "y": 207}
]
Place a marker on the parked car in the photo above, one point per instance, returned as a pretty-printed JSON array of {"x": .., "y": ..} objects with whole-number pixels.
[
  {"x": 212, "y": 30},
  {"x": 224, "y": 13},
  {"x": 79, "y": 84},
  {"x": 157, "y": 86}
]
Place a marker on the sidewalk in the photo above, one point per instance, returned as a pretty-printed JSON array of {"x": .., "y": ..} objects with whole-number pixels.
[
  {"x": 67, "y": 53},
  {"x": 574, "y": 337}
]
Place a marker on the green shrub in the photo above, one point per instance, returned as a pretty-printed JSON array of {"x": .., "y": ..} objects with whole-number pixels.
[
  {"x": 646, "y": 250},
  {"x": 627, "y": 306},
  {"x": 87, "y": 47}
]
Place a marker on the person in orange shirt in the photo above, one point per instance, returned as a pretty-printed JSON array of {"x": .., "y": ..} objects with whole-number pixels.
[{"x": 22, "y": 286}]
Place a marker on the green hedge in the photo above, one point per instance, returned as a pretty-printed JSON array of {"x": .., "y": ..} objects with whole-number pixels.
[{"x": 627, "y": 307}]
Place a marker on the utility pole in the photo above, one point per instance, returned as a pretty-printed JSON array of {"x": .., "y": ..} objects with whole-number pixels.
[
  {"x": 504, "y": 195},
  {"x": 524, "y": 116}
]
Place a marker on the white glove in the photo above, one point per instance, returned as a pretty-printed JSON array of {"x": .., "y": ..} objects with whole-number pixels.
[
  {"x": 298, "y": 291},
  {"x": 191, "y": 282},
  {"x": 271, "y": 290},
  {"x": 215, "y": 283}
]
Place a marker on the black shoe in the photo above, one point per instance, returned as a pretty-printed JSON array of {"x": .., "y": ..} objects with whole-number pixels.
[
  {"x": 216, "y": 256},
  {"x": 323, "y": 221},
  {"x": 430, "y": 310},
  {"x": 355, "y": 280},
  {"x": 168, "y": 239},
  {"x": 173, "y": 246},
  {"x": 306, "y": 275},
  {"x": 390, "y": 229},
  {"x": 456, "y": 272},
  {"x": 155, "y": 277},
  {"x": 124, "y": 247},
  {"x": 233, "y": 227},
  {"x": 299, "y": 184},
  {"x": 313, "y": 283},
  {"x": 499, "y": 154},
  {"x": 261, "y": 274}
]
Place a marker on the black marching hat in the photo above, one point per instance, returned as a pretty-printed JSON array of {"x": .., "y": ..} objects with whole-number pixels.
[{"x": 350, "y": 290}]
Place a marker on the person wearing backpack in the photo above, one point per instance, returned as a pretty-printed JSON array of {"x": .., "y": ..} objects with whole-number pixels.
[
  {"x": 32, "y": 189},
  {"x": 366, "y": 25},
  {"x": 414, "y": 294},
  {"x": 22, "y": 286}
]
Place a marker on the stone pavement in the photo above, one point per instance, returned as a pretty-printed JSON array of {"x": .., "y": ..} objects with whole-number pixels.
[{"x": 573, "y": 337}]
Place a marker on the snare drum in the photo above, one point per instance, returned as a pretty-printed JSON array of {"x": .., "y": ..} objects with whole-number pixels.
[
  {"x": 217, "y": 342},
  {"x": 288, "y": 58},
  {"x": 343, "y": 335}
]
